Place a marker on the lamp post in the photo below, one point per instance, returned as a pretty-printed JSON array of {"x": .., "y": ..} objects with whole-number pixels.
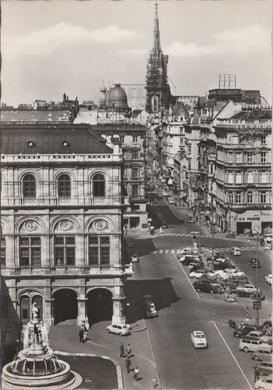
[
  {"x": 257, "y": 301},
  {"x": 229, "y": 242}
]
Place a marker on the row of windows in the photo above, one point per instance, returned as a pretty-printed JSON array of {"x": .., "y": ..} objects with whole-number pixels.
[
  {"x": 64, "y": 251},
  {"x": 238, "y": 177},
  {"x": 63, "y": 186},
  {"x": 234, "y": 139},
  {"x": 240, "y": 197},
  {"x": 239, "y": 157}
]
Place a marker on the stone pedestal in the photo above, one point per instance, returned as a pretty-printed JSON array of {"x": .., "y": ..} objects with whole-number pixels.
[{"x": 118, "y": 316}]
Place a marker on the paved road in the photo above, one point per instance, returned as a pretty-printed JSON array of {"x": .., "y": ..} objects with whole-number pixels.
[{"x": 181, "y": 310}]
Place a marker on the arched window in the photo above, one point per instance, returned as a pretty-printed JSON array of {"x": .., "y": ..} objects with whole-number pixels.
[
  {"x": 29, "y": 186},
  {"x": 64, "y": 186},
  {"x": 155, "y": 103},
  {"x": 98, "y": 185}
]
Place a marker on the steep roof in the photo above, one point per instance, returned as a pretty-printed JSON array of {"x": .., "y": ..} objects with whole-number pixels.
[
  {"x": 180, "y": 109},
  {"x": 34, "y": 116},
  {"x": 51, "y": 139},
  {"x": 254, "y": 114}
]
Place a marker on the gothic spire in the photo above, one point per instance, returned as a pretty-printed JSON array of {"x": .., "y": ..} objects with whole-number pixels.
[{"x": 156, "y": 29}]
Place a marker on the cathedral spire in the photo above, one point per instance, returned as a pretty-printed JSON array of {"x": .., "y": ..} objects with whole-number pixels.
[{"x": 156, "y": 29}]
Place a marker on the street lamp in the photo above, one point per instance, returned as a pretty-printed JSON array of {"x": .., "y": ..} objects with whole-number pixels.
[{"x": 257, "y": 301}]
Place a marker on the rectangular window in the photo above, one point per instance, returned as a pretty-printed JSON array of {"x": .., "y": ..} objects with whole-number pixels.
[
  {"x": 249, "y": 157},
  {"x": 189, "y": 148},
  {"x": 99, "y": 250},
  {"x": 64, "y": 251},
  {"x": 263, "y": 197},
  {"x": 3, "y": 251},
  {"x": 134, "y": 173},
  {"x": 135, "y": 154},
  {"x": 121, "y": 138},
  {"x": 263, "y": 140},
  {"x": 230, "y": 157},
  {"x": 238, "y": 197},
  {"x": 263, "y": 157},
  {"x": 230, "y": 197},
  {"x": 134, "y": 190},
  {"x": 238, "y": 157},
  {"x": 249, "y": 197},
  {"x": 134, "y": 222},
  {"x": 134, "y": 138},
  {"x": 30, "y": 251}
]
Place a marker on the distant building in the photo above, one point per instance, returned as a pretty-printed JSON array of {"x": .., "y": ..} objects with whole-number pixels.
[
  {"x": 136, "y": 95},
  {"x": 36, "y": 116},
  {"x": 158, "y": 93}
]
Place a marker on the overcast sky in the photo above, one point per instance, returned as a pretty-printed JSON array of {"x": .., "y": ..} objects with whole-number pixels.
[{"x": 55, "y": 46}]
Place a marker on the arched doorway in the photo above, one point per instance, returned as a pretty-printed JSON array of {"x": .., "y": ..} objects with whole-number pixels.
[
  {"x": 99, "y": 305},
  {"x": 65, "y": 305},
  {"x": 26, "y": 302}
]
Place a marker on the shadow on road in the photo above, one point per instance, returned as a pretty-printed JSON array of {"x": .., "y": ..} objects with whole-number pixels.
[
  {"x": 162, "y": 215},
  {"x": 161, "y": 290},
  {"x": 139, "y": 246}
]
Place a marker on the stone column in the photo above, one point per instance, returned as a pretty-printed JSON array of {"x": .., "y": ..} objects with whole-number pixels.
[
  {"x": 81, "y": 309},
  {"x": 118, "y": 302},
  {"x": 49, "y": 312}
]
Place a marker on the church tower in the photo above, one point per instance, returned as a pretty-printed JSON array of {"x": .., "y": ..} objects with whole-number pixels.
[{"x": 158, "y": 94}]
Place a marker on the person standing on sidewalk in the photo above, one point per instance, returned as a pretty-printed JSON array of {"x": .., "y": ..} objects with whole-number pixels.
[
  {"x": 128, "y": 364},
  {"x": 154, "y": 383},
  {"x": 81, "y": 334},
  {"x": 121, "y": 350},
  {"x": 128, "y": 350},
  {"x": 136, "y": 374}
]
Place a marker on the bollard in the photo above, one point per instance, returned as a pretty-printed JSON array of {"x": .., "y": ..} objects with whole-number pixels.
[{"x": 213, "y": 316}]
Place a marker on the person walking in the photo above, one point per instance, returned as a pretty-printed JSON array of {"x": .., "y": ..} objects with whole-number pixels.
[
  {"x": 128, "y": 350},
  {"x": 256, "y": 374},
  {"x": 128, "y": 364},
  {"x": 136, "y": 374},
  {"x": 155, "y": 383},
  {"x": 81, "y": 334},
  {"x": 121, "y": 350}
]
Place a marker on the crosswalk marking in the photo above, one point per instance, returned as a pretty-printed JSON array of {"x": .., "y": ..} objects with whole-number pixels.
[
  {"x": 182, "y": 235},
  {"x": 217, "y": 250}
]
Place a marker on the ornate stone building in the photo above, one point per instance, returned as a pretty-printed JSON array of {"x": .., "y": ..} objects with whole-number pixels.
[
  {"x": 61, "y": 222},
  {"x": 158, "y": 93}
]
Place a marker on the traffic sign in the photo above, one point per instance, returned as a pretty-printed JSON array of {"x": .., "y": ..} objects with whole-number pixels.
[{"x": 257, "y": 305}]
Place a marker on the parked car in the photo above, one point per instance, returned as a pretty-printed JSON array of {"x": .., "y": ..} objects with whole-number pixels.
[
  {"x": 195, "y": 266},
  {"x": 231, "y": 298},
  {"x": 198, "y": 339},
  {"x": 134, "y": 258},
  {"x": 268, "y": 279},
  {"x": 233, "y": 324},
  {"x": 187, "y": 259},
  {"x": 264, "y": 368},
  {"x": 250, "y": 345},
  {"x": 249, "y": 288},
  {"x": 120, "y": 329},
  {"x": 189, "y": 250},
  {"x": 254, "y": 334},
  {"x": 207, "y": 287},
  {"x": 264, "y": 383},
  {"x": 262, "y": 354},
  {"x": 254, "y": 262},
  {"x": 236, "y": 251},
  {"x": 243, "y": 330}
]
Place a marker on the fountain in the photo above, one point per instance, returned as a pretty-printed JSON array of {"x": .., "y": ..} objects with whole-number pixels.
[{"x": 36, "y": 366}]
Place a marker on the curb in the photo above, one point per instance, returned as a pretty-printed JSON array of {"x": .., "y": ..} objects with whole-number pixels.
[
  {"x": 144, "y": 327},
  {"x": 118, "y": 367}
]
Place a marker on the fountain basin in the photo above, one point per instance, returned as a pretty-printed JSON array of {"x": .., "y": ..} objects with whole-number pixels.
[{"x": 59, "y": 380}]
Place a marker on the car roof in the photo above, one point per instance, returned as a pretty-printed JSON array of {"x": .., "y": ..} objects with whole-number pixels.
[{"x": 198, "y": 332}]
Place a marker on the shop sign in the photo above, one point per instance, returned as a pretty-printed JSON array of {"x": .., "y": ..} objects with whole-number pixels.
[
  {"x": 253, "y": 218},
  {"x": 257, "y": 305}
]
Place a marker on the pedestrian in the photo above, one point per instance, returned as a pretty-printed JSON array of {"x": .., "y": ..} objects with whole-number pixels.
[
  {"x": 85, "y": 335},
  {"x": 128, "y": 364},
  {"x": 121, "y": 350},
  {"x": 136, "y": 374},
  {"x": 256, "y": 374},
  {"x": 86, "y": 323},
  {"x": 81, "y": 334},
  {"x": 128, "y": 350},
  {"x": 155, "y": 383}
]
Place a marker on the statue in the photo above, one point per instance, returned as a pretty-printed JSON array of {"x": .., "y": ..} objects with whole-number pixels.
[{"x": 35, "y": 313}]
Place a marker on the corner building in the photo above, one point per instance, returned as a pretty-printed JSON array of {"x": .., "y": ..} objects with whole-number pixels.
[{"x": 61, "y": 223}]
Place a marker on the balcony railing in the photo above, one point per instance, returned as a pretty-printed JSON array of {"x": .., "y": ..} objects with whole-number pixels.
[
  {"x": 61, "y": 157},
  {"x": 102, "y": 269}
]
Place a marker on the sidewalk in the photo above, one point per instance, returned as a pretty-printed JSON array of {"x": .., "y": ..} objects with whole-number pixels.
[{"x": 64, "y": 337}]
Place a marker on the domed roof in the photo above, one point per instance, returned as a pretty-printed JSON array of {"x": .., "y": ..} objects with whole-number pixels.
[{"x": 116, "y": 98}]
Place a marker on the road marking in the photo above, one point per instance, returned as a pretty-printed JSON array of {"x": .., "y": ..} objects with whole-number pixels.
[
  {"x": 153, "y": 356},
  {"x": 187, "y": 278},
  {"x": 216, "y": 250},
  {"x": 234, "y": 358}
]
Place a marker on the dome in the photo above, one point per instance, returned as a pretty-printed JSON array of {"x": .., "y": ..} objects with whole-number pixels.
[{"x": 116, "y": 98}]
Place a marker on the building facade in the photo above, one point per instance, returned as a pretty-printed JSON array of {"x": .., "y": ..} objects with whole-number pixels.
[
  {"x": 243, "y": 170},
  {"x": 62, "y": 223}
]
